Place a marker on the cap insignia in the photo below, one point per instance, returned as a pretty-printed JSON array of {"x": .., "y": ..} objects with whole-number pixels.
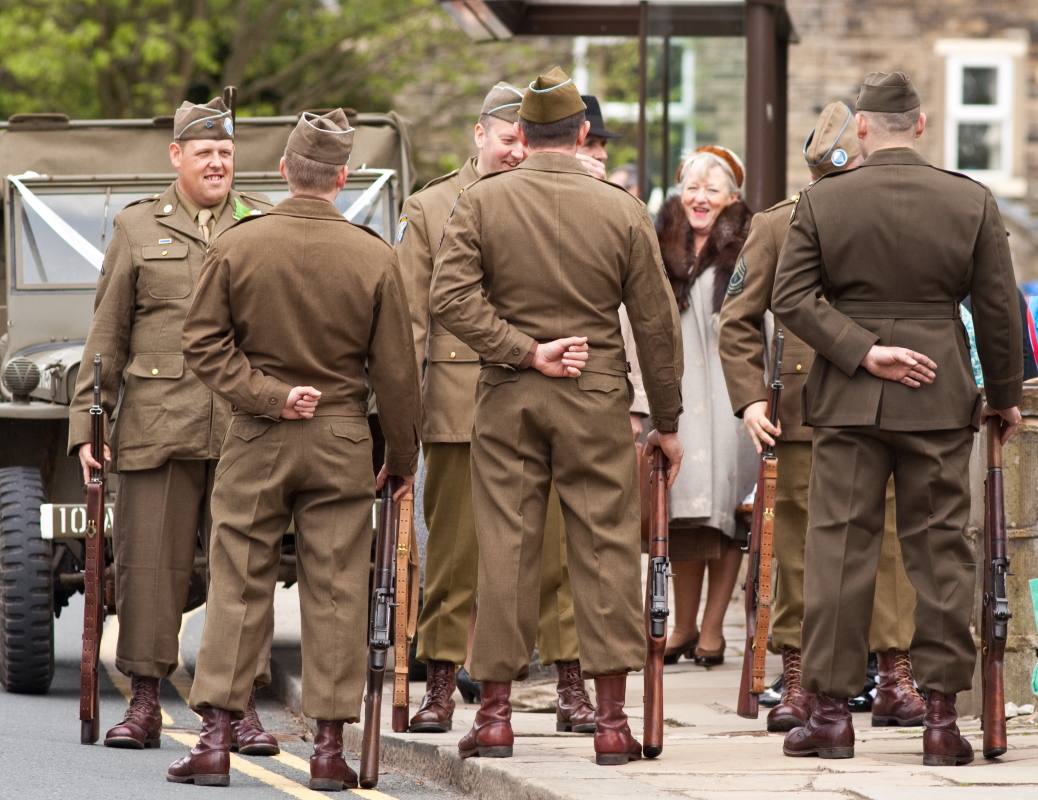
[{"x": 839, "y": 157}]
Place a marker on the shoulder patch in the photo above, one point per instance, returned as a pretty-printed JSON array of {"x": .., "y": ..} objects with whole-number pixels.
[
  {"x": 400, "y": 228},
  {"x": 738, "y": 282}
]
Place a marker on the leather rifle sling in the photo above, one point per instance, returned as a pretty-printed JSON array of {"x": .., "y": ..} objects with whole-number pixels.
[{"x": 764, "y": 579}]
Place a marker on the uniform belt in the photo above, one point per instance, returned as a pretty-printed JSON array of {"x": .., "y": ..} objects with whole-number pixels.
[
  {"x": 869, "y": 310},
  {"x": 607, "y": 364},
  {"x": 341, "y": 408}
]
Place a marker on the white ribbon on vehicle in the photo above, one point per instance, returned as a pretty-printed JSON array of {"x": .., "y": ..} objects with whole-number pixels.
[
  {"x": 369, "y": 195},
  {"x": 70, "y": 235}
]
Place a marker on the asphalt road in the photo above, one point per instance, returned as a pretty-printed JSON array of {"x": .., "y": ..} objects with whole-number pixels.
[{"x": 40, "y": 753}]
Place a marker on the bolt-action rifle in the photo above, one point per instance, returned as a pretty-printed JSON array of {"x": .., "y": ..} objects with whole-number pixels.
[
  {"x": 995, "y": 620},
  {"x": 405, "y": 609},
  {"x": 657, "y": 608},
  {"x": 759, "y": 573},
  {"x": 93, "y": 573}
]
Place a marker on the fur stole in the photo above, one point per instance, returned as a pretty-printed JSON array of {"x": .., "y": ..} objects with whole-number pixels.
[{"x": 721, "y": 250}]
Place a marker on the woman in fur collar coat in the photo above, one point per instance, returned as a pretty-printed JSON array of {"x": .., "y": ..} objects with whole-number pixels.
[{"x": 701, "y": 233}]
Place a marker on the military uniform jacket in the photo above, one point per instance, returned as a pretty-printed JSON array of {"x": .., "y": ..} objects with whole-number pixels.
[
  {"x": 546, "y": 251},
  {"x": 151, "y": 269},
  {"x": 301, "y": 297},
  {"x": 451, "y": 366},
  {"x": 742, "y": 326},
  {"x": 894, "y": 246}
]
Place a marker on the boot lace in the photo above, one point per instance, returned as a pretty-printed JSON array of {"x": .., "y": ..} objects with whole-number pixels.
[
  {"x": 140, "y": 705},
  {"x": 903, "y": 674},
  {"x": 441, "y": 690},
  {"x": 572, "y": 686},
  {"x": 791, "y": 685}
]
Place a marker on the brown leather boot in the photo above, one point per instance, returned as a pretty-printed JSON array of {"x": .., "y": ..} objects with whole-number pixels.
[
  {"x": 142, "y": 725},
  {"x": 329, "y": 771},
  {"x": 209, "y": 762},
  {"x": 248, "y": 736},
  {"x": 613, "y": 741},
  {"x": 491, "y": 734},
  {"x": 574, "y": 711},
  {"x": 943, "y": 746},
  {"x": 436, "y": 714},
  {"x": 829, "y": 732},
  {"x": 897, "y": 701},
  {"x": 795, "y": 707}
]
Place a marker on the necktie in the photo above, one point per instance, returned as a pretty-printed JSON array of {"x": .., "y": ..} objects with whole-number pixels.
[{"x": 203, "y": 223}]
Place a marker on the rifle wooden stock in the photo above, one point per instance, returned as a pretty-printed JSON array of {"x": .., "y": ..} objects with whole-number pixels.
[
  {"x": 996, "y": 616},
  {"x": 656, "y": 607},
  {"x": 93, "y": 575},
  {"x": 378, "y": 634},
  {"x": 404, "y": 607}
]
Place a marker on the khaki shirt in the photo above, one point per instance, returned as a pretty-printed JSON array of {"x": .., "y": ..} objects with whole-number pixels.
[
  {"x": 742, "y": 339},
  {"x": 301, "y": 297},
  {"x": 898, "y": 230},
  {"x": 546, "y": 251},
  {"x": 151, "y": 268}
]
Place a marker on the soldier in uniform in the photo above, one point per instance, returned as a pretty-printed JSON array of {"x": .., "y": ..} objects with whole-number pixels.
[
  {"x": 531, "y": 273},
  {"x": 449, "y": 399},
  {"x": 290, "y": 308},
  {"x": 831, "y": 146},
  {"x": 169, "y": 428},
  {"x": 894, "y": 246}
]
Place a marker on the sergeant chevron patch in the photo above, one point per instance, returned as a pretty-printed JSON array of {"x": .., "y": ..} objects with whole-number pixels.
[{"x": 738, "y": 281}]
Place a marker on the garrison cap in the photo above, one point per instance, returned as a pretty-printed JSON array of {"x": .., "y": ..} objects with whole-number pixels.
[
  {"x": 833, "y": 142},
  {"x": 550, "y": 98},
  {"x": 503, "y": 102},
  {"x": 594, "y": 116},
  {"x": 209, "y": 121},
  {"x": 327, "y": 138},
  {"x": 887, "y": 92}
]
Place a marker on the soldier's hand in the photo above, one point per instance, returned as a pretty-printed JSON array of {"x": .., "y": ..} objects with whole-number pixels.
[
  {"x": 301, "y": 403},
  {"x": 86, "y": 458},
  {"x": 672, "y": 449},
  {"x": 899, "y": 364},
  {"x": 405, "y": 483},
  {"x": 755, "y": 418},
  {"x": 1011, "y": 418},
  {"x": 562, "y": 358},
  {"x": 595, "y": 167}
]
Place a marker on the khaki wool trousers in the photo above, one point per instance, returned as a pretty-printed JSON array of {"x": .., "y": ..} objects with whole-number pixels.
[
  {"x": 892, "y": 626},
  {"x": 844, "y": 539},
  {"x": 161, "y": 515},
  {"x": 452, "y": 560},
  {"x": 318, "y": 472},
  {"x": 531, "y": 430}
]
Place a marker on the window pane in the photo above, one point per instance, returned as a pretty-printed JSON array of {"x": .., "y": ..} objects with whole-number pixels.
[
  {"x": 979, "y": 86},
  {"x": 979, "y": 146}
]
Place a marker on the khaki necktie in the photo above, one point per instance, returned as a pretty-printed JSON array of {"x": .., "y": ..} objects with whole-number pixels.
[{"x": 203, "y": 223}]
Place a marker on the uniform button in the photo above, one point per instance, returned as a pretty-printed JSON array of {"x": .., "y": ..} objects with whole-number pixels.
[
  {"x": 167, "y": 208},
  {"x": 515, "y": 351},
  {"x": 453, "y": 354},
  {"x": 165, "y": 252},
  {"x": 799, "y": 367},
  {"x": 273, "y": 401},
  {"x": 392, "y": 463},
  {"x": 155, "y": 371},
  {"x": 656, "y": 420}
]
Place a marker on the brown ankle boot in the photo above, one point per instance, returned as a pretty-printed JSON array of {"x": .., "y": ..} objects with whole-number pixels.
[
  {"x": 795, "y": 707},
  {"x": 829, "y": 732},
  {"x": 613, "y": 741},
  {"x": 436, "y": 714},
  {"x": 574, "y": 711},
  {"x": 248, "y": 736},
  {"x": 209, "y": 762},
  {"x": 329, "y": 771},
  {"x": 943, "y": 746},
  {"x": 897, "y": 702},
  {"x": 491, "y": 734},
  {"x": 142, "y": 725}
]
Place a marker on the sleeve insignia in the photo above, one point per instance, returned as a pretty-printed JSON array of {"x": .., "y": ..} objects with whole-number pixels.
[
  {"x": 400, "y": 228},
  {"x": 738, "y": 281}
]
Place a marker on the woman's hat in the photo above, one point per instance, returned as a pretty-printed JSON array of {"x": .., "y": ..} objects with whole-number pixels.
[{"x": 727, "y": 156}]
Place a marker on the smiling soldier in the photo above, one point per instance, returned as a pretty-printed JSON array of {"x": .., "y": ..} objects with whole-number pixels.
[{"x": 166, "y": 439}]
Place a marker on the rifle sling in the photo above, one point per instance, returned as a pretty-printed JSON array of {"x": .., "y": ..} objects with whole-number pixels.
[
  {"x": 405, "y": 600},
  {"x": 764, "y": 579}
]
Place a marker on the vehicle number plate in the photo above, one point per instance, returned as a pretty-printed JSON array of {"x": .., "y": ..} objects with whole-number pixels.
[{"x": 68, "y": 520}]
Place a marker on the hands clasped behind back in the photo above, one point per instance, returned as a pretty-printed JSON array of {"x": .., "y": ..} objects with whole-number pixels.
[{"x": 899, "y": 364}]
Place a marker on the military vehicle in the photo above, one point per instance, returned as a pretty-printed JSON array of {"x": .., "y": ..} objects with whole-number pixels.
[{"x": 63, "y": 182}]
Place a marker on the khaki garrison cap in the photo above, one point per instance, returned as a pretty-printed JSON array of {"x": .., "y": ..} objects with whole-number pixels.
[
  {"x": 503, "y": 102},
  {"x": 211, "y": 121},
  {"x": 550, "y": 98},
  {"x": 328, "y": 138},
  {"x": 833, "y": 142},
  {"x": 887, "y": 92}
]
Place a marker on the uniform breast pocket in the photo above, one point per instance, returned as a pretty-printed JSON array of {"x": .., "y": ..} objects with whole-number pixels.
[{"x": 167, "y": 274}]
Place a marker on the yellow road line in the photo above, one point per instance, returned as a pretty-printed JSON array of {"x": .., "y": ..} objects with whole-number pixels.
[
  {"x": 290, "y": 760},
  {"x": 109, "y": 640}
]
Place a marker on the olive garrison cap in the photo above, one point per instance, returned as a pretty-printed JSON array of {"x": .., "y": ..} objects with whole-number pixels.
[
  {"x": 833, "y": 142},
  {"x": 887, "y": 92},
  {"x": 328, "y": 138},
  {"x": 503, "y": 102},
  {"x": 210, "y": 121},
  {"x": 550, "y": 98}
]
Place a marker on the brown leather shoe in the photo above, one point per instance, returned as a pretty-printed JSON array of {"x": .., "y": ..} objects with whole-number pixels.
[
  {"x": 943, "y": 746},
  {"x": 795, "y": 707},
  {"x": 709, "y": 658},
  {"x": 209, "y": 762},
  {"x": 329, "y": 771},
  {"x": 248, "y": 736},
  {"x": 613, "y": 741},
  {"x": 829, "y": 732},
  {"x": 491, "y": 734},
  {"x": 574, "y": 711},
  {"x": 436, "y": 714},
  {"x": 142, "y": 725},
  {"x": 897, "y": 701}
]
